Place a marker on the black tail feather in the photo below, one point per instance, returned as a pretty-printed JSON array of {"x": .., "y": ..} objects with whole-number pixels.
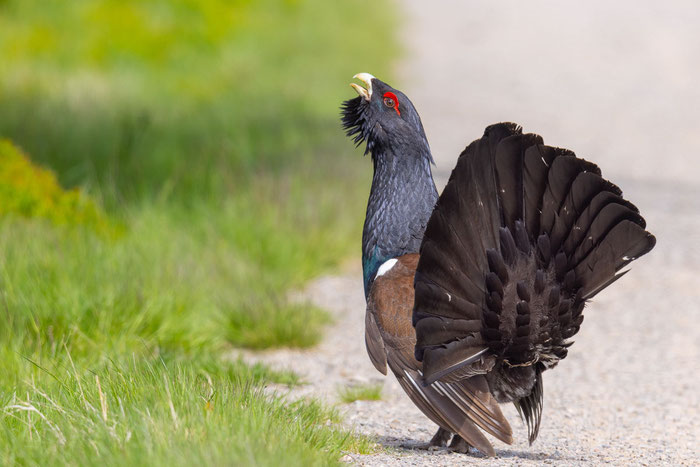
[{"x": 523, "y": 235}]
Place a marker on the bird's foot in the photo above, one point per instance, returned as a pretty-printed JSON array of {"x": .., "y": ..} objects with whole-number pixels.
[
  {"x": 438, "y": 441},
  {"x": 459, "y": 445}
]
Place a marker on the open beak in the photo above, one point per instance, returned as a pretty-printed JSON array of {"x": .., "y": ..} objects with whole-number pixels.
[{"x": 367, "y": 79}]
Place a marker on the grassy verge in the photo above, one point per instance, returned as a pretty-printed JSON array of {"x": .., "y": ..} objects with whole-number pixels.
[
  {"x": 217, "y": 118},
  {"x": 206, "y": 133},
  {"x": 160, "y": 411}
]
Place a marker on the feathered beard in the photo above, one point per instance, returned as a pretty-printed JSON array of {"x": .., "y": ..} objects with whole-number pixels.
[{"x": 355, "y": 122}]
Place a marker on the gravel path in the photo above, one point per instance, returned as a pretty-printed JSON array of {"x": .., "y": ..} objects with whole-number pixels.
[{"x": 617, "y": 83}]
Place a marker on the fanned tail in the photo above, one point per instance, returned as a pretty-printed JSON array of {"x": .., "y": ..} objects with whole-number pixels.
[{"x": 521, "y": 237}]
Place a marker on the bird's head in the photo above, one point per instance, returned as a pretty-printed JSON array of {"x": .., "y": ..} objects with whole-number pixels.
[{"x": 383, "y": 117}]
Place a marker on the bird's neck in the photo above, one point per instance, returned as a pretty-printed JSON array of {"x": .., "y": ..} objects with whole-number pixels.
[{"x": 401, "y": 200}]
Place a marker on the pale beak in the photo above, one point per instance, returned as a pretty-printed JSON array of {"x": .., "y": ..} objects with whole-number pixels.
[{"x": 367, "y": 79}]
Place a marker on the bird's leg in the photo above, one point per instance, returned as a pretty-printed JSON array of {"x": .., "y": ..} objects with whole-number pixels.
[
  {"x": 459, "y": 445},
  {"x": 439, "y": 441},
  {"x": 440, "y": 438}
]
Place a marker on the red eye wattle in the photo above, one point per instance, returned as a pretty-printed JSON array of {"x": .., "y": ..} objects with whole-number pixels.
[{"x": 390, "y": 100}]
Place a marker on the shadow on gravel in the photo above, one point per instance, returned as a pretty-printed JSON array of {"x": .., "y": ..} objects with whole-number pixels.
[
  {"x": 535, "y": 456},
  {"x": 407, "y": 445}
]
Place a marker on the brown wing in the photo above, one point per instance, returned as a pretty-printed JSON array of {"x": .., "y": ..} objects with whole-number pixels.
[
  {"x": 459, "y": 407},
  {"x": 374, "y": 343}
]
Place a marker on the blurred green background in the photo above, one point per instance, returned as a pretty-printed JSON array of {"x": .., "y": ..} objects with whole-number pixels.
[{"x": 169, "y": 171}]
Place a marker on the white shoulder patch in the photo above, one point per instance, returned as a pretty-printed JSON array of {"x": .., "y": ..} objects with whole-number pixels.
[{"x": 385, "y": 267}]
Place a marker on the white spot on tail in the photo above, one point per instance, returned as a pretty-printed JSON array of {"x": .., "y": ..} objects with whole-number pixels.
[
  {"x": 449, "y": 297},
  {"x": 385, "y": 267}
]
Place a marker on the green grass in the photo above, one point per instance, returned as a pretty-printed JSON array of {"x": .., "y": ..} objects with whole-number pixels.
[
  {"x": 223, "y": 143},
  {"x": 159, "y": 411},
  {"x": 152, "y": 324},
  {"x": 162, "y": 282},
  {"x": 360, "y": 392},
  {"x": 206, "y": 132},
  {"x": 183, "y": 99}
]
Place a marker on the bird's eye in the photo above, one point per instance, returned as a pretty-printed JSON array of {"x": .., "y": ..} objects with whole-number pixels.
[{"x": 392, "y": 102}]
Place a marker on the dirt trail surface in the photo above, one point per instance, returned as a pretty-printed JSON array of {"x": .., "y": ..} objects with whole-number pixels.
[{"x": 617, "y": 83}]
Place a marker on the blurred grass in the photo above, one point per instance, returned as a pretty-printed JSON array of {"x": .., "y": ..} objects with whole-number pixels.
[
  {"x": 223, "y": 115},
  {"x": 207, "y": 132},
  {"x": 360, "y": 392},
  {"x": 31, "y": 191},
  {"x": 184, "y": 98},
  {"x": 209, "y": 129}
]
